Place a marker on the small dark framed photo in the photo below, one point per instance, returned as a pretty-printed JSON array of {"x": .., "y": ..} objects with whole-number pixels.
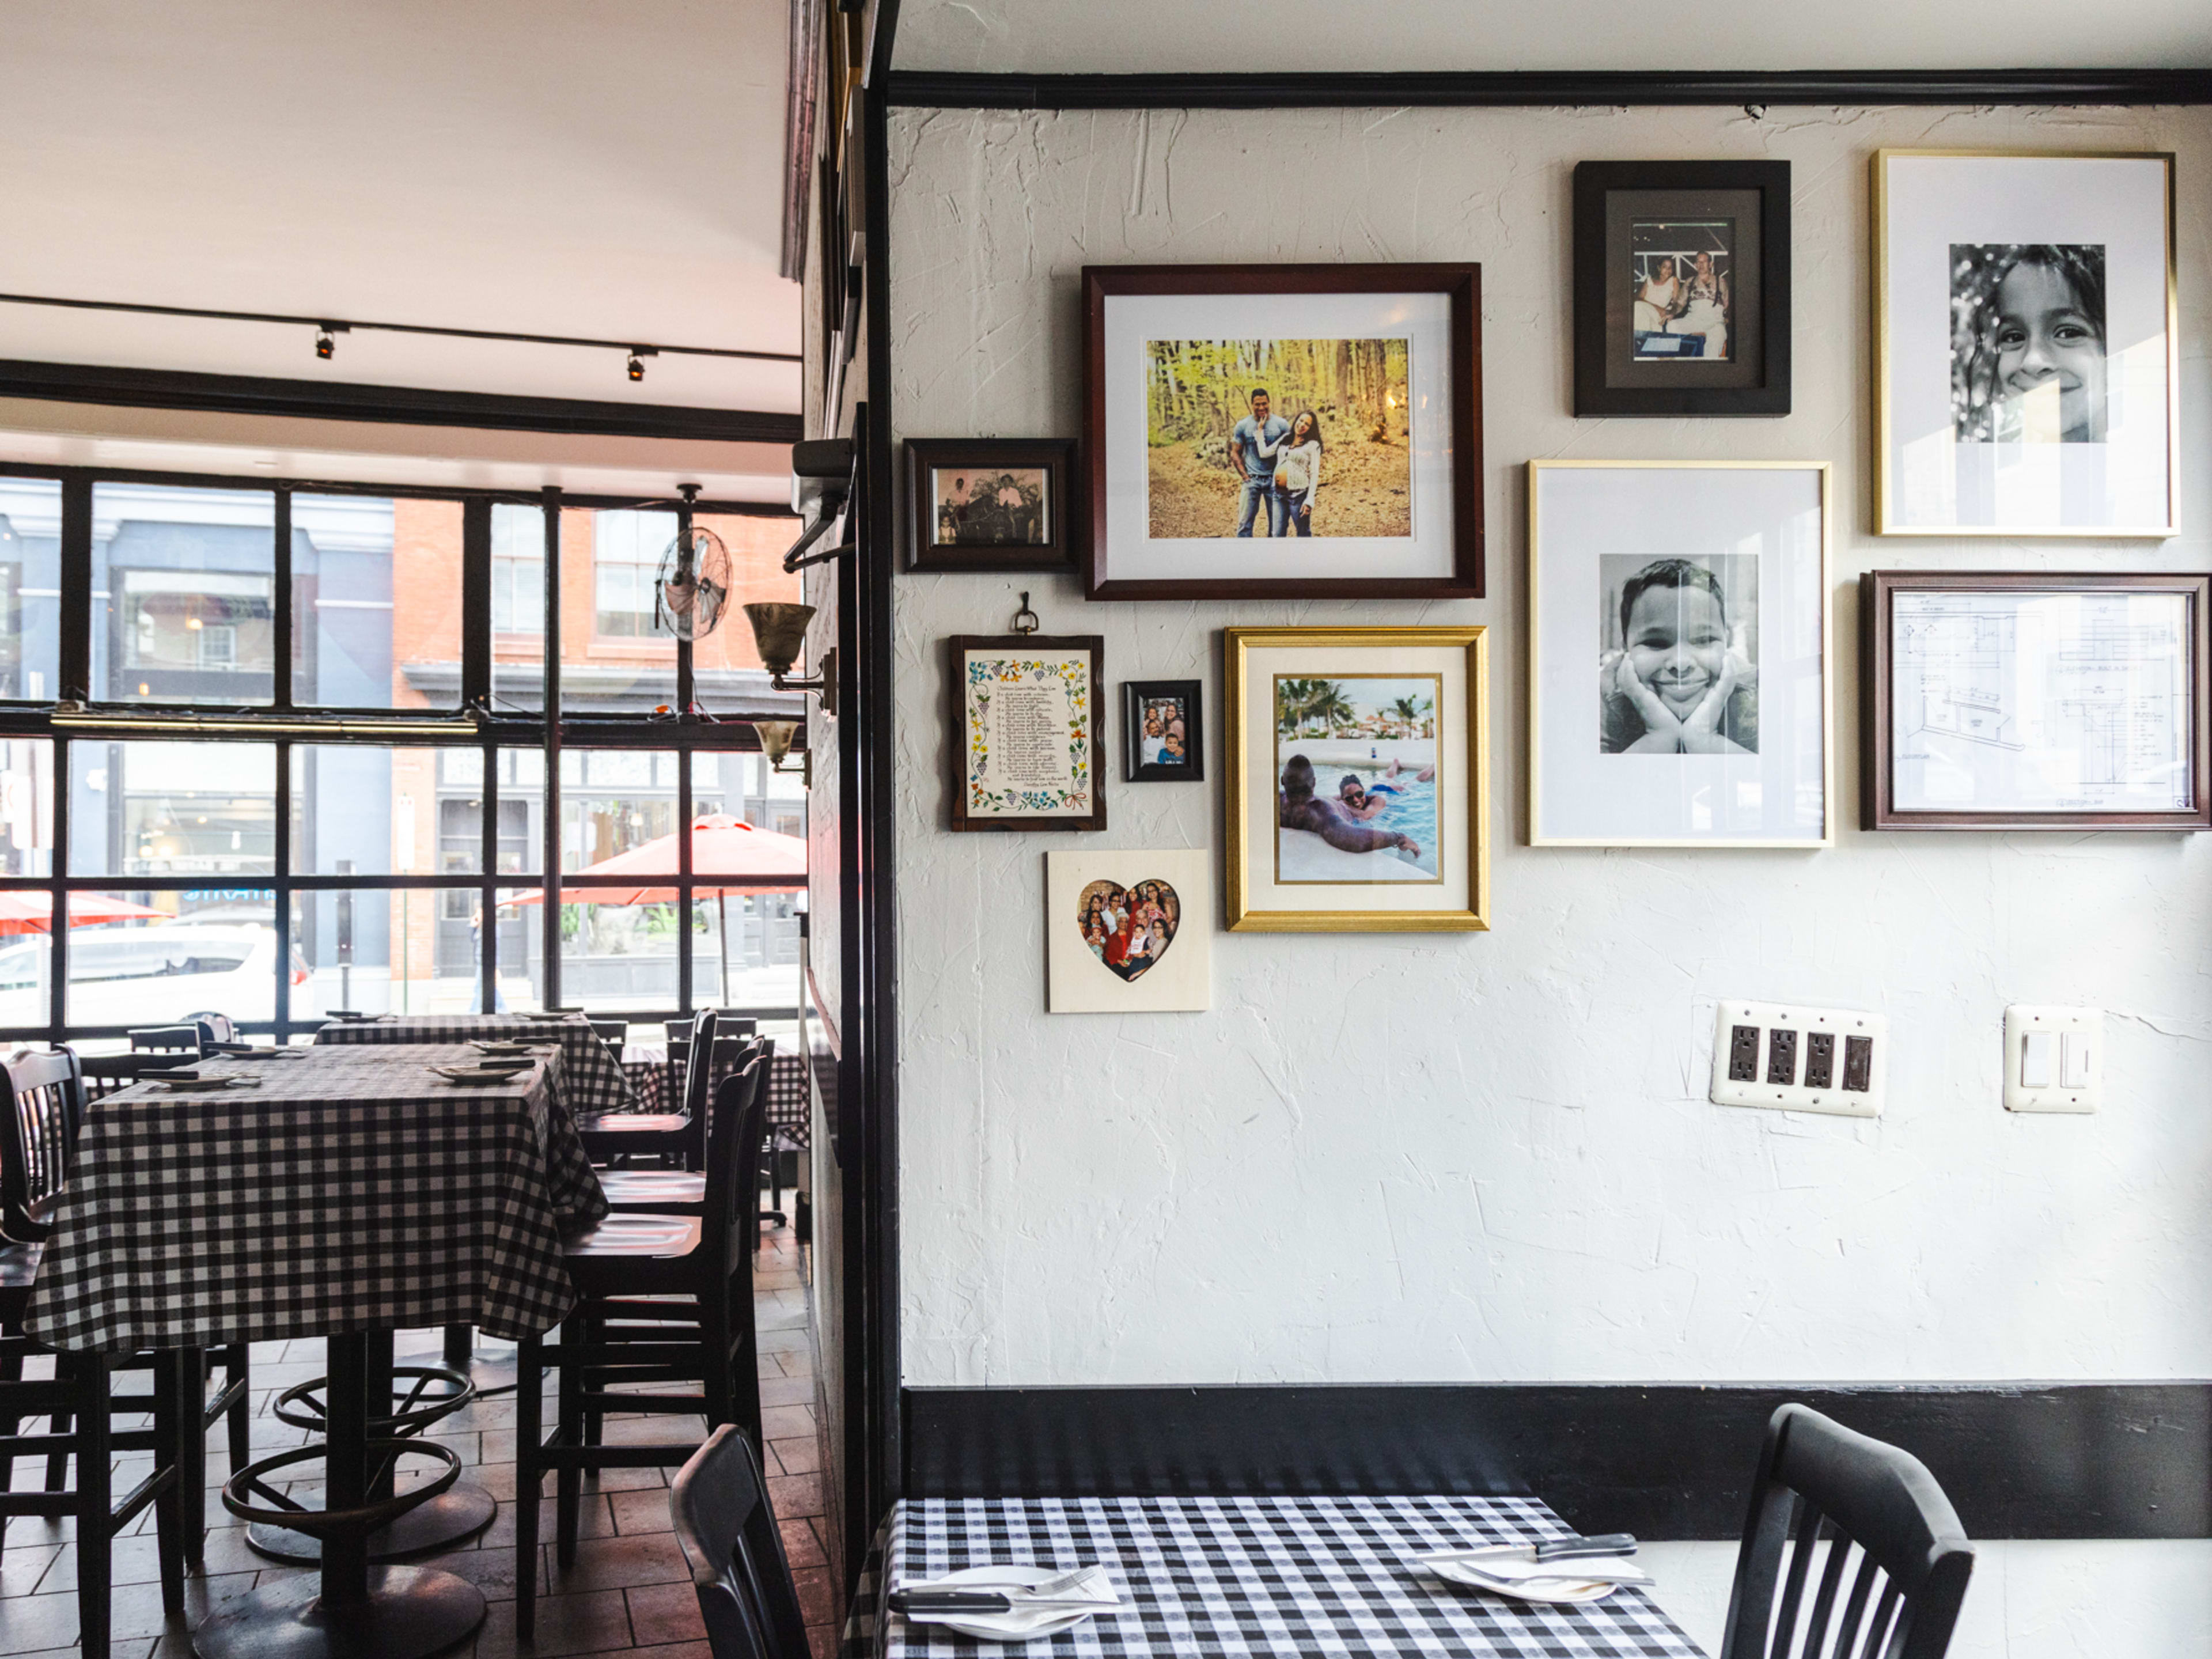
[
  {"x": 1163, "y": 731},
  {"x": 1682, "y": 288},
  {"x": 989, "y": 503}
]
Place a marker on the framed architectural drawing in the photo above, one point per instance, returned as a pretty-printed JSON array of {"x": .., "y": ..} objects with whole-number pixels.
[
  {"x": 1359, "y": 779},
  {"x": 2026, "y": 344},
  {"x": 1282, "y": 431},
  {"x": 2034, "y": 700},
  {"x": 1129, "y": 933},
  {"x": 1680, "y": 673},
  {"x": 1027, "y": 752}
]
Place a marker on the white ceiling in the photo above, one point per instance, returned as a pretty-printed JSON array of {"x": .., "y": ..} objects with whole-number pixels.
[
  {"x": 1071, "y": 37},
  {"x": 558, "y": 167}
]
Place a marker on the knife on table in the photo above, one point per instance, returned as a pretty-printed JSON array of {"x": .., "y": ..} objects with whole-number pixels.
[{"x": 1014, "y": 1598}]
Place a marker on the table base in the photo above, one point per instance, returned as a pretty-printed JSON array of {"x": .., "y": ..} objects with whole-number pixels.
[
  {"x": 412, "y": 1613},
  {"x": 445, "y": 1521}
]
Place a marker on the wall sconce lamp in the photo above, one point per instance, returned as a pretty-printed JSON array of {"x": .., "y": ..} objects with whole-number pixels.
[
  {"x": 778, "y": 631},
  {"x": 775, "y": 737}
]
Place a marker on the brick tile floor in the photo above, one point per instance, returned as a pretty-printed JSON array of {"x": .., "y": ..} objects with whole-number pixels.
[{"x": 627, "y": 1593}]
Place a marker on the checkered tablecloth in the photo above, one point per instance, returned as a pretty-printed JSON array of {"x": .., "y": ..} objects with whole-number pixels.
[
  {"x": 658, "y": 1086},
  {"x": 596, "y": 1082},
  {"x": 1297, "y": 1577},
  {"x": 353, "y": 1190}
]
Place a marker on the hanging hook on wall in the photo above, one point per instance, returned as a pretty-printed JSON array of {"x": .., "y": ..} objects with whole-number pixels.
[{"x": 1033, "y": 624}]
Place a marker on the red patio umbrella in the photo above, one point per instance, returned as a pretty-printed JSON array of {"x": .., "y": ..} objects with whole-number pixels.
[
  {"x": 728, "y": 856},
  {"x": 22, "y": 912}
]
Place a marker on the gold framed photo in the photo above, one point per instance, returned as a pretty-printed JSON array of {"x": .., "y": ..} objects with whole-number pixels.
[
  {"x": 1359, "y": 779},
  {"x": 1680, "y": 665},
  {"x": 2026, "y": 344}
]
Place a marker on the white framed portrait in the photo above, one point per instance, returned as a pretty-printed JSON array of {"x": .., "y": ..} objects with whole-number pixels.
[
  {"x": 1129, "y": 933},
  {"x": 1681, "y": 668},
  {"x": 2026, "y": 344}
]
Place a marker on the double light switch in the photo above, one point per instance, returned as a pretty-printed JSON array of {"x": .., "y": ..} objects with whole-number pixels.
[{"x": 2052, "y": 1058}]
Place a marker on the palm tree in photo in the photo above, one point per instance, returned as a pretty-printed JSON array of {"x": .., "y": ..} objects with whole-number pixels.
[
  {"x": 1332, "y": 709},
  {"x": 1407, "y": 712}
]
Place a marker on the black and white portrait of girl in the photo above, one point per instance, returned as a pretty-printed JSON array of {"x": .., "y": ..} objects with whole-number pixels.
[{"x": 2028, "y": 342}]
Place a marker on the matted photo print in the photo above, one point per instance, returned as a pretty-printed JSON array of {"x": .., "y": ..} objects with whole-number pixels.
[
  {"x": 1129, "y": 933},
  {"x": 2024, "y": 327},
  {"x": 1680, "y": 665}
]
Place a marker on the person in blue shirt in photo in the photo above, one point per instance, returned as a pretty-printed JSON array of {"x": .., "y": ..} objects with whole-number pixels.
[{"x": 1252, "y": 443}]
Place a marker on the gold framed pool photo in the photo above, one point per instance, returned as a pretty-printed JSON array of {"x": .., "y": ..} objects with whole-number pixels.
[{"x": 1359, "y": 779}]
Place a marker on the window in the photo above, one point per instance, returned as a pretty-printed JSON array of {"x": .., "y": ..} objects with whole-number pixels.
[
  {"x": 186, "y": 580},
  {"x": 30, "y": 586},
  {"x": 518, "y": 569},
  {"x": 626, "y": 550}
]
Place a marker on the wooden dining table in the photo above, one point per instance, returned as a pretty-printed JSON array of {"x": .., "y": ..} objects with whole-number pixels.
[{"x": 344, "y": 1191}]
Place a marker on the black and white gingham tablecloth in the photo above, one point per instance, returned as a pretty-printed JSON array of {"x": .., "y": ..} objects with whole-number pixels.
[
  {"x": 1237, "y": 1577},
  {"x": 594, "y": 1078},
  {"x": 353, "y": 1190}
]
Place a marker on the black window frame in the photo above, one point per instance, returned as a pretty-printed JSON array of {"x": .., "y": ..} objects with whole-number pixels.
[{"x": 70, "y": 718}]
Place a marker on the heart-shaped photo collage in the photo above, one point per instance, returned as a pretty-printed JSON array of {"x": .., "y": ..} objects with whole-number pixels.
[{"x": 1128, "y": 929}]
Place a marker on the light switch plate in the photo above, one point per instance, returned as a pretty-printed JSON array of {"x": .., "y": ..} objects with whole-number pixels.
[
  {"x": 1799, "y": 1059},
  {"x": 2076, "y": 1049}
]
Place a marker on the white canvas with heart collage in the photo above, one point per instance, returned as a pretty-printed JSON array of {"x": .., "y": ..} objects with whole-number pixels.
[{"x": 1116, "y": 937}]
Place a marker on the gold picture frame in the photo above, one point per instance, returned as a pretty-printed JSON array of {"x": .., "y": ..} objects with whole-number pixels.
[
  {"x": 1451, "y": 894},
  {"x": 1887, "y": 514},
  {"x": 1823, "y": 472}
]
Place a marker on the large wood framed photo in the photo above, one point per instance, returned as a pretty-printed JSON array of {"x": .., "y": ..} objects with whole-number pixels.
[
  {"x": 1680, "y": 672},
  {"x": 2034, "y": 700},
  {"x": 1359, "y": 779},
  {"x": 2026, "y": 342},
  {"x": 1282, "y": 431},
  {"x": 989, "y": 503},
  {"x": 1682, "y": 288},
  {"x": 1026, "y": 749}
]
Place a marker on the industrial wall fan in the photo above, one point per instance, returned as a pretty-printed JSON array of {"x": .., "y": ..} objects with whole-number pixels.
[{"x": 692, "y": 587}]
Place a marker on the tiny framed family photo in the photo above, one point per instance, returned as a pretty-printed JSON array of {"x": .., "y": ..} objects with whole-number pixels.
[
  {"x": 1027, "y": 752},
  {"x": 1682, "y": 288},
  {"x": 989, "y": 504},
  {"x": 1129, "y": 933},
  {"x": 2000, "y": 700},
  {"x": 2026, "y": 345},
  {"x": 1163, "y": 731},
  {"x": 1282, "y": 431},
  {"x": 1680, "y": 672},
  {"x": 1358, "y": 794}
]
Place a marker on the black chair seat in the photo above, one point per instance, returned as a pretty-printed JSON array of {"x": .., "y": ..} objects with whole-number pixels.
[
  {"x": 636, "y": 1237},
  {"x": 675, "y": 1192},
  {"x": 635, "y": 1123},
  {"x": 19, "y": 1271}
]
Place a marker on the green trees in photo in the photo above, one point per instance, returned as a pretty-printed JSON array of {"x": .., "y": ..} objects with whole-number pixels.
[{"x": 1198, "y": 389}]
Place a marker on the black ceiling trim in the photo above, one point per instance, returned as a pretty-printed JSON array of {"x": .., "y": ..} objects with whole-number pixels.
[
  {"x": 328, "y": 400},
  {"x": 930, "y": 90}
]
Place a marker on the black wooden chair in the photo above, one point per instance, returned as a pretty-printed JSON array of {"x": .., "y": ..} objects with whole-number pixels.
[
  {"x": 730, "y": 1541},
  {"x": 679, "y": 1192},
  {"x": 662, "y": 1299},
  {"x": 105, "y": 1073},
  {"x": 190, "y": 1038},
  {"x": 677, "y": 1138},
  {"x": 1829, "y": 1496},
  {"x": 613, "y": 1032}
]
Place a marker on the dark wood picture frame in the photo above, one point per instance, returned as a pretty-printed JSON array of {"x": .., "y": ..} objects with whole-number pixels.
[
  {"x": 1461, "y": 283},
  {"x": 958, "y": 648},
  {"x": 1602, "y": 386},
  {"x": 1134, "y": 694},
  {"x": 1877, "y": 592},
  {"x": 1055, "y": 456}
]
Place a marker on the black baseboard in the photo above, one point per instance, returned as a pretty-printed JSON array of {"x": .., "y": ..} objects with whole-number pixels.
[
  {"x": 341, "y": 400},
  {"x": 2099, "y": 1460},
  {"x": 934, "y": 89}
]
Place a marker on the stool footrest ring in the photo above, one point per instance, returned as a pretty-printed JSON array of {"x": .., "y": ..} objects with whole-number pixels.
[{"x": 320, "y": 1523}]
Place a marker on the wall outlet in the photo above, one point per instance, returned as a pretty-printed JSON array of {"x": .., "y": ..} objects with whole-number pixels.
[
  {"x": 2054, "y": 1059},
  {"x": 1790, "y": 1058}
]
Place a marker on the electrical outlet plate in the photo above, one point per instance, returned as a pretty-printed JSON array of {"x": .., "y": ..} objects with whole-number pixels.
[
  {"x": 1799, "y": 1059},
  {"x": 2072, "y": 1046}
]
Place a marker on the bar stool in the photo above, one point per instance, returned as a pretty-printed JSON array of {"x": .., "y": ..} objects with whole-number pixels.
[{"x": 680, "y": 1135}]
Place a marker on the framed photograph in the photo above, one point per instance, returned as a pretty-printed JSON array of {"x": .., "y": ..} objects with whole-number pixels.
[
  {"x": 1129, "y": 933},
  {"x": 2034, "y": 700},
  {"x": 1282, "y": 431},
  {"x": 989, "y": 503},
  {"x": 1680, "y": 677},
  {"x": 1027, "y": 753},
  {"x": 1359, "y": 791},
  {"x": 1682, "y": 288},
  {"x": 2027, "y": 362},
  {"x": 1163, "y": 731}
]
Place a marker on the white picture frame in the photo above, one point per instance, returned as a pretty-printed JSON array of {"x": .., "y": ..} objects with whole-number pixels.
[
  {"x": 1111, "y": 976},
  {"x": 2026, "y": 344},
  {"x": 1739, "y": 749}
]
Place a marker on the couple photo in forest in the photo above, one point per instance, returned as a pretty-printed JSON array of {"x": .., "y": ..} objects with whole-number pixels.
[{"x": 1275, "y": 438}]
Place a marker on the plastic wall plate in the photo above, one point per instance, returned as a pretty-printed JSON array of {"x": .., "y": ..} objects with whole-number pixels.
[{"x": 1799, "y": 1059}]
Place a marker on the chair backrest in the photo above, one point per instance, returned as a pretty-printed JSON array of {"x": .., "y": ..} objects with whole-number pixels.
[
  {"x": 216, "y": 1027},
  {"x": 613, "y": 1032},
  {"x": 735, "y": 1129},
  {"x": 104, "y": 1074},
  {"x": 698, "y": 1072},
  {"x": 170, "y": 1039},
  {"x": 1851, "y": 1506},
  {"x": 730, "y": 1541},
  {"x": 38, "y": 1132}
]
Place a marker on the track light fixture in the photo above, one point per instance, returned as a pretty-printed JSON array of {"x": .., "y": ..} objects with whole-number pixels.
[
  {"x": 637, "y": 368},
  {"x": 325, "y": 344}
]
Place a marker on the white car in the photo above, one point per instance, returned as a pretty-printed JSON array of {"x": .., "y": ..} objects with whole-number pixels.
[{"x": 148, "y": 975}]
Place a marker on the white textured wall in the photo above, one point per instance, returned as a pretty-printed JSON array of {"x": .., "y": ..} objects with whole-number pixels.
[{"x": 1490, "y": 1157}]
